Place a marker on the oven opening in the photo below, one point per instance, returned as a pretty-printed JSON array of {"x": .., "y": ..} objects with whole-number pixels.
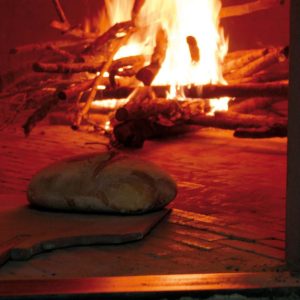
[{"x": 183, "y": 104}]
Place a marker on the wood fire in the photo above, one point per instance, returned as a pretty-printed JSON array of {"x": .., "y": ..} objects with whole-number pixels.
[{"x": 86, "y": 66}]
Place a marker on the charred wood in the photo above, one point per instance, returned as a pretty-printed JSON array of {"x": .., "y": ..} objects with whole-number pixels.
[
  {"x": 262, "y": 132},
  {"x": 127, "y": 63},
  {"x": 194, "y": 49},
  {"x": 134, "y": 133},
  {"x": 277, "y": 89},
  {"x": 163, "y": 111},
  {"x": 148, "y": 73}
]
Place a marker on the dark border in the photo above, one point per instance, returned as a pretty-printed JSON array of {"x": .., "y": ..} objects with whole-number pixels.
[{"x": 153, "y": 286}]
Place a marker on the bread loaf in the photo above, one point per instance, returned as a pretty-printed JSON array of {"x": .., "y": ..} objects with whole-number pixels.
[{"x": 106, "y": 182}]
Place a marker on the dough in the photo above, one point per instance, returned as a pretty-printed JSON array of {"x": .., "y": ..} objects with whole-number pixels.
[{"x": 105, "y": 182}]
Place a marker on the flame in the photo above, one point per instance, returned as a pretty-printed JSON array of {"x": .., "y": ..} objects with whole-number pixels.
[{"x": 180, "y": 19}]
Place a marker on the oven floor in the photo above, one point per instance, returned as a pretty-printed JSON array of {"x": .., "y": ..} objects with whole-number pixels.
[{"x": 229, "y": 215}]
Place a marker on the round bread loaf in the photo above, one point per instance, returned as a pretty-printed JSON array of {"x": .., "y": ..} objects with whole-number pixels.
[{"x": 106, "y": 182}]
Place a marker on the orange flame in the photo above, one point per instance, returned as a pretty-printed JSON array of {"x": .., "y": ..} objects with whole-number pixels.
[{"x": 180, "y": 19}]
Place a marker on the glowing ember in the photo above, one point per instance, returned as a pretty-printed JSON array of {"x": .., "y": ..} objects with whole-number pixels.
[
  {"x": 197, "y": 20},
  {"x": 109, "y": 103},
  {"x": 107, "y": 126}
]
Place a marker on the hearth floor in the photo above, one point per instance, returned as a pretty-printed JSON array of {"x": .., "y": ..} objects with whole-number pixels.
[{"x": 229, "y": 215}]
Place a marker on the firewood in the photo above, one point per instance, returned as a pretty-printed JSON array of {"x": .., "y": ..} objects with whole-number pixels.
[
  {"x": 137, "y": 6},
  {"x": 277, "y": 89},
  {"x": 271, "y": 75},
  {"x": 127, "y": 63},
  {"x": 257, "y": 65},
  {"x": 148, "y": 73},
  {"x": 163, "y": 111},
  {"x": 67, "y": 67},
  {"x": 98, "y": 79},
  {"x": 126, "y": 67},
  {"x": 261, "y": 132},
  {"x": 208, "y": 91},
  {"x": 134, "y": 133},
  {"x": 48, "y": 104},
  {"x": 243, "y": 60},
  {"x": 250, "y": 104},
  {"x": 233, "y": 120},
  {"x": 66, "y": 54},
  {"x": 36, "y": 47},
  {"x": 73, "y": 90},
  {"x": 74, "y": 31},
  {"x": 135, "y": 100},
  {"x": 112, "y": 33},
  {"x": 60, "y": 12},
  {"x": 9, "y": 78},
  {"x": 248, "y": 8},
  {"x": 194, "y": 49},
  {"x": 121, "y": 92}
]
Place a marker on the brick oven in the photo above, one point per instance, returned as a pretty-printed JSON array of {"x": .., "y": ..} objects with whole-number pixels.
[{"x": 233, "y": 226}]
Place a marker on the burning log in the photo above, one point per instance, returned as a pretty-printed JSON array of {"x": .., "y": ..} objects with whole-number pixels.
[
  {"x": 194, "y": 49},
  {"x": 233, "y": 120},
  {"x": 260, "y": 133},
  {"x": 134, "y": 133},
  {"x": 251, "y": 104},
  {"x": 98, "y": 79},
  {"x": 257, "y": 65},
  {"x": 277, "y": 89},
  {"x": 162, "y": 111},
  {"x": 135, "y": 100},
  {"x": 247, "y": 90},
  {"x": 112, "y": 33},
  {"x": 271, "y": 75},
  {"x": 148, "y": 73},
  {"x": 137, "y": 6}
]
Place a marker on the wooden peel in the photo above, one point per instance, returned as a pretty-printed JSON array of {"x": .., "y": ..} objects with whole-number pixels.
[{"x": 25, "y": 231}]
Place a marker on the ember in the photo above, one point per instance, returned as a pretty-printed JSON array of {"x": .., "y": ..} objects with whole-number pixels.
[{"x": 151, "y": 52}]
